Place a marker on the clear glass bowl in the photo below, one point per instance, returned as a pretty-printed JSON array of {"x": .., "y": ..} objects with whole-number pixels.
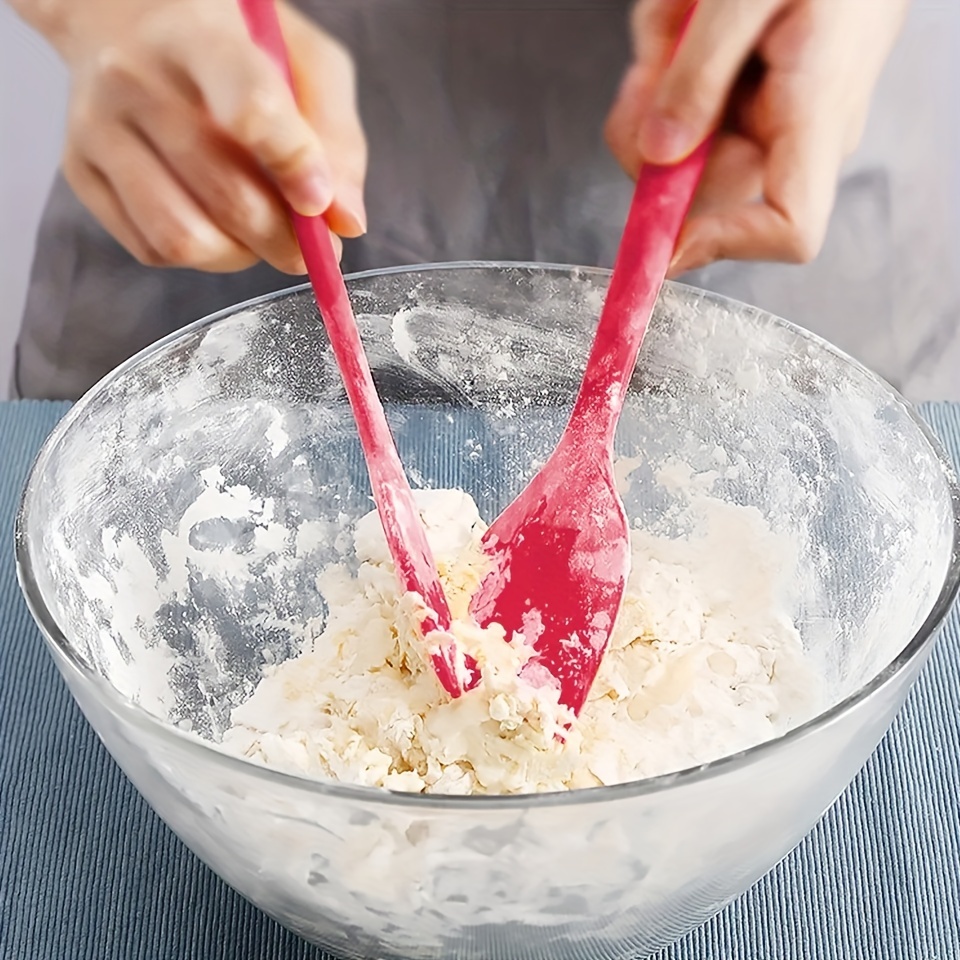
[{"x": 477, "y": 365}]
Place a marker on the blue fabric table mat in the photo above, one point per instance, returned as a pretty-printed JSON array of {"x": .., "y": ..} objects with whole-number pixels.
[{"x": 88, "y": 872}]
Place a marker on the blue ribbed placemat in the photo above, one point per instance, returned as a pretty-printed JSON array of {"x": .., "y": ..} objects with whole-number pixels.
[{"x": 88, "y": 872}]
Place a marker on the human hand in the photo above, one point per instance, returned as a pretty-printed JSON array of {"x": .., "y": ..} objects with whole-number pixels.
[
  {"x": 786, "y": 85},
  {"x": 184, "y": 140}
]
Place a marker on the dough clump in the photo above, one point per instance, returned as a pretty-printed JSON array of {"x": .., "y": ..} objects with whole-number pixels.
[{"x": 704, "y": 661}]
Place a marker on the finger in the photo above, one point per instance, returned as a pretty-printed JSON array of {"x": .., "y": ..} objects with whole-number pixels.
[
  {"x": 325, "y": 76},
  {"x": 733, "y": 175},
  {"x": 249, "y": 100},
  {"x": 95, "y": 193},
  {"x": 622, "y": 127},
  {"x": 655, "y": 26},
  {"x": 789, "y": 223},
  {"x": 222, "y": 182},
  {"x": 170, "y": 220},
  {"x": 695, "y": 86},
  {"x": 347, "y": 214},
  {"x": 654, "y": 29}
]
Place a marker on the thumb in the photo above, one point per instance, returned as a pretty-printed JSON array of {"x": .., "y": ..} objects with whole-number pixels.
[
  {"x": 326, "y": 83},
  {"x": 695, "y": 87},
  {"x": 654, "y": 27}
]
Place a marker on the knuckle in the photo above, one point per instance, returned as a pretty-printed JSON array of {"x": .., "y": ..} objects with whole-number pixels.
[
  {"x": 248, "y": 212},
  {"x": 274, "y": 133},
  {"x": 239, "y": 210},
  {"x": 114, "y": 70},
  {"x": 176, "y": 246},
  {"x": 292, "y": 160},
  {"x": 803, "y": 242},
  {"x": 229, "y": 260},
  {"x": 293, "y": 266},
  {"x": 689, "y": 99},
  {"x": 114, "y": 87},
  {"x": 256, "y": 123},
  {"x": 284, "y": 252},
  {"x": 236, "y": 260},
  {"x": 146, "y": 256}
]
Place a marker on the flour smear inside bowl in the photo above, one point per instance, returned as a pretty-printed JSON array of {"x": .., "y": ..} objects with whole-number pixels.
[{"x": 253, "y": 602}]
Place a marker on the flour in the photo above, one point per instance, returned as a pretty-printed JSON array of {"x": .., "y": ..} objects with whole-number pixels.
[
  {"x": 704, "y": 661},
  {"x": 403, "y": 343}
]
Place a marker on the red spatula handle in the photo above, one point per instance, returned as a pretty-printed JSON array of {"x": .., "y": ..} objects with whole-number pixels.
[
  {"x": 660, "y": 204},
  {"x": 401, "y": 521},
  {"x": 661, "y": 201}
]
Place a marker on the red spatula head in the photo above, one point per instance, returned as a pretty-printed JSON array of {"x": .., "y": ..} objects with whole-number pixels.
[
  {"x": 561, "y": 550},
  {"x": 560, "y": 557}
]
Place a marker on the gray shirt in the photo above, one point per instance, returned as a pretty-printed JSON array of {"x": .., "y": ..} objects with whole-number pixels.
[{"x": 484, "y": 122}]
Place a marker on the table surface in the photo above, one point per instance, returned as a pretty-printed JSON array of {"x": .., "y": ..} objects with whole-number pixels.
[{"x": 89, "y": 872}]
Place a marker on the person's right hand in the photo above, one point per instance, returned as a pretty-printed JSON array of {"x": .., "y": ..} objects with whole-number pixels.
[
  {"x": 785, "y": 86},
  {"x": 184, "y": 140}
]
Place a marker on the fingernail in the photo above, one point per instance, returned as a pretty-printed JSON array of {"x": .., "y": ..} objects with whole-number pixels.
[
  {"x": 674, "y": 269},
  {"x": 351, "y": 200},
  {"x": 314, "y": 194},
  {"x": 665, "y": 140}
]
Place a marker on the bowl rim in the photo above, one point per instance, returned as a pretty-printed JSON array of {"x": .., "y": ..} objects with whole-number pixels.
[{"x": 74, "y": 667}]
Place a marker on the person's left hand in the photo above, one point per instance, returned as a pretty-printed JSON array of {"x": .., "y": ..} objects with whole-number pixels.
[{"x": 786, "y": 85}]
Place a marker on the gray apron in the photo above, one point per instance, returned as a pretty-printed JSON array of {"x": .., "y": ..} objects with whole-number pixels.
[{"x": 484, "y": 123}]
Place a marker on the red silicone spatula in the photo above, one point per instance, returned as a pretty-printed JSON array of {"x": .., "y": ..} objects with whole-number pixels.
[
  {"x": 561, "y": 550},
  {"x": 402, "y": 525}
]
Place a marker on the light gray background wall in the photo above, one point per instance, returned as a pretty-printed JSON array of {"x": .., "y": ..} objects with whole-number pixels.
[{"x": 33, "y": 94}]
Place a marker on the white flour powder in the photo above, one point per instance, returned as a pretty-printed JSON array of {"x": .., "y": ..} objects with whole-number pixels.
[{"x": 704, "y": 661}]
